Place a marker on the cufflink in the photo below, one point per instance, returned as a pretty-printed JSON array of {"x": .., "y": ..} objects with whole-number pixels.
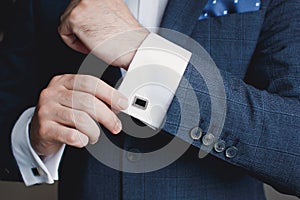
[
  {"x": 140, "y": 103},
  {"x": 36, "y": 171}
]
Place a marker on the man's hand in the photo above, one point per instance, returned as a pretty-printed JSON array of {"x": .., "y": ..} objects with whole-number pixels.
[
  {"x": 67, "y": 111},
  {"x": 105, "y": 24}
]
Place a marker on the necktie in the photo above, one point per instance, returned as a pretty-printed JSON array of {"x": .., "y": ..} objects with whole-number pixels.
[{"x": 215, "y": 8}]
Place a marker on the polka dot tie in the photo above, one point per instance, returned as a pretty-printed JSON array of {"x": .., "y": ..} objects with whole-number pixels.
[{"x": 215, "y": 8}]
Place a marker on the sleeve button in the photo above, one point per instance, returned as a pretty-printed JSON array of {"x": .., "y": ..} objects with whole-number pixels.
[
  {"x": 220, "y": 146},
  {"x": 196, "y": 133},
  {"x": 134, "y": 155},
  {"x": 208, "y": 139},
  {"x": 231, "y": 152}
]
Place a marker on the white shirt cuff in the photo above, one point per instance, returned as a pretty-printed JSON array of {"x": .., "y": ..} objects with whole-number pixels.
[
  {"x": 153, "y": 78},
  {"x": 32, "y": 168}
]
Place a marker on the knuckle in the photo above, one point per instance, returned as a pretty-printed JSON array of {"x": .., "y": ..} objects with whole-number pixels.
[
  {"x": 74, "y": 15},
  {"x": 87, "y": 102},
  {"x": 46, "y": 93},
  {"x": 42, "y": 112},
  {"x": 68, "y": 77},
  {"x": 43, "y": 130},
  {"x": 56, "y": 78},
  {"x": 82, "y": 118},
  {"x": 84, "y": 83},
  {"x": 84, "y": 4},
  {"x": 67, "y": 116},
  {"x": 66, "y": 96},
  {"x": 88, "y": 84},
  {"x": 71, "y": 137}
]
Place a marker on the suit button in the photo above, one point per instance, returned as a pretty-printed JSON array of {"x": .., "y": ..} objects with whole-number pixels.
[
  {"x": 231, "y": 152},
  {"x": 208, "y": 139},
  {"x": 220, "y": 146},
  {"x": 134, "y": 155},
  {"x": 196, "y": 133}
]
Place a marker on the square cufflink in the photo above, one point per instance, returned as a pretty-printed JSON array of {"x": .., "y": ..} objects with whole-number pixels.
[{"x": 140, "y": 103}]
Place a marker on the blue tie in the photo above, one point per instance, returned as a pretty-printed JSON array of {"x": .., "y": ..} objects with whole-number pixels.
[{"x": 216, "y": 8}]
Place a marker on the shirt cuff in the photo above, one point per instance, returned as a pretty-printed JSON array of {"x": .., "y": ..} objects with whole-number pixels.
[
  {"x": 32, "y": 168},
  {"x": 153, "y": 78}
]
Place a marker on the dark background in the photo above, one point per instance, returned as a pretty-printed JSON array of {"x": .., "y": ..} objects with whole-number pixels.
[
  {"x": 5, "y": 10},
  {"x": 17, "y": 191}
]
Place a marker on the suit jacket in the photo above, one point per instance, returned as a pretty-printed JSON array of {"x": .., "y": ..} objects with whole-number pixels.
[{"x": 257, "y": 54}]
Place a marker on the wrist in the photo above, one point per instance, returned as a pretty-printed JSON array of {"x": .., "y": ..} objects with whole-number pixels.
[
  {"x": 120, "y": 49},
  {"x": 138, "y": 38}
]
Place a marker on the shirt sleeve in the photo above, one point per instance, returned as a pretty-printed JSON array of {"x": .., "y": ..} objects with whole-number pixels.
[
  {"x": 153, "y": 78},
  {"x": 33, "y": 169}
]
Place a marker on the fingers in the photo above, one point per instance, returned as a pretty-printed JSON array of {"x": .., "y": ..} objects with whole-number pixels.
[
  {"x": 66, "y": 135},
  {"x": 48, "y": 136},
  {"x": 68, "y": 111},
  {"x": 95, "y": 108},
  {"x": 79, "y": 120},
  {"x": 94, "y": 86},
  {"x": 89, "y": 94}
]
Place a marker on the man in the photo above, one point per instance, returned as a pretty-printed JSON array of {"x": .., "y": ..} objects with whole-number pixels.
[{"x": 256, "y": 52}]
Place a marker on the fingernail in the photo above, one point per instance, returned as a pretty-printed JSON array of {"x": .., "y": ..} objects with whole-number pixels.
[
  {"x": 118, "y": 126},
  {"x": 123, "y": 103},
  {"x": 83, "y": 139}
]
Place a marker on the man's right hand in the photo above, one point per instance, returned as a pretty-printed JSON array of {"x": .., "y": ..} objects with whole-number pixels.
[{"x": 68, "y": 111}]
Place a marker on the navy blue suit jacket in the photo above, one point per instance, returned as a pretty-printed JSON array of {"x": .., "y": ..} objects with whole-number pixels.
[{"x": 258, "y": 54}]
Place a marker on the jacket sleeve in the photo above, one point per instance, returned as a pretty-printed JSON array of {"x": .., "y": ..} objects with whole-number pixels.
[
  {"x": 16, "y": 80},
  {"x": 262, "y": 120}
]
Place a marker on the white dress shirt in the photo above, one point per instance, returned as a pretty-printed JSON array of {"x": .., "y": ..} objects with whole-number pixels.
[{"x": 149, "y": 14}]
